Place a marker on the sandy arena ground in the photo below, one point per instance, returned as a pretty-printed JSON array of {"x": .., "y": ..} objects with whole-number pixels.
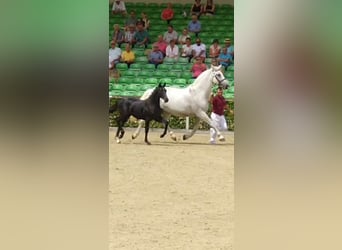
[{"x": 171, "y": 195}]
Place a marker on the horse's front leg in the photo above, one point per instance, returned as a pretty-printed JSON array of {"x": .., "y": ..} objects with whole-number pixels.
[
  {"x": 196, "y": 125},
  {"x": 137, "y": 131},
  {"x": 203, "y": 115},
  {"x": 166, "y": 125},
  {"x": 147, "y": 127}
]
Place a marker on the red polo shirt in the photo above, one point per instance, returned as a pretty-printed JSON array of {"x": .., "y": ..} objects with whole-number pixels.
[{"x": 218, "y": 105}]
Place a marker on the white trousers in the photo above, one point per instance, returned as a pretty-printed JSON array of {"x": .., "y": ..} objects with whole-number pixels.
[{"x": 220, "y": 122}]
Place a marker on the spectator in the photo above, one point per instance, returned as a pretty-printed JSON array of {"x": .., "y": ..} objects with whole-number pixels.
[
  {"x": 214, "y": 49},
  {"x": 119, "y": 8},
  {"x": 224, "y": 58},
  {"x": 140, "y": 38},
  {"x": 199, "y": 50},
  {"x": 209, "y": 8},
  {"x": 229, "y": 46},
  {"x": 132, "y": 19},
  {"x": 129, "y": 34},
  {"x": 183, "y": 36},
  {"x": 145, "y": 20},
  {"x": 196, "y": 8},
  {"x": 161, "y": 44},
  {"x": 198, "y": 68},
  {"x": 187, "y": 49},
  {"x": 219, "y": 104},
  {"x": 114, "y": 55},
  {"x": 172, "y": 50},
  {"x": 170, "y": 34},
  {"x": 194, "y": 25},
  {"x": 118, "y": 35},
  {"x": 155, "y": 57},
  {"x": 128, "y": 56},
  {"x": 168, "y": 13}
]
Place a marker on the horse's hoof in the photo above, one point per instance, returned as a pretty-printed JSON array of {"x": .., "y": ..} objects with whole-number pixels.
[
  {"x": 174, "y": 138},
  {"x": 133, "y": 137},
  {"x": 148, "y": 143},
  {"x": 185, "y": 137},
  {"x": 161, "y": 136},
  {"x": 221, "y": 138},
  {"x": 118, "y": 141}
]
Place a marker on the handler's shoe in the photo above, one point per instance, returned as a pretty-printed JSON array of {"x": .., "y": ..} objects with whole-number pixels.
[{"x": 212, "y": 141}]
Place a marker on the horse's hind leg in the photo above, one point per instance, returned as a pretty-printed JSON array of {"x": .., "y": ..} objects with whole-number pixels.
[
  {"x": 212, "y": 124},
  {"x": 196, "y": 125}
]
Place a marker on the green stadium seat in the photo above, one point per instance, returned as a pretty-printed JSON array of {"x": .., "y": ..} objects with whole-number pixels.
[
  {"x": 136, "y": 66},
  {"x": 144, "y": 74},
  {"x": 172, "y": 74},
  {"x": 141, "y": 59},
  {"x": 167, "y": 81},
  {"x": 186, "y": 75},
  {"x": 177, "y": 67},
  {"x": 190, "y": 81},
  {"x": 152, "y": 81},
  {"x": 180, "y": 82},
  {"x": 125, "y": 80},
  {"x": 168, "y": 60},
  {"x": 164, "y": 67},
  {"x": 121, "y": 67},
  {"x": 183, "y": 60},
  {"x": 148, "y": 67},
  {"x": 129, "y": 73},
  {"x": 158, "y": 74}
]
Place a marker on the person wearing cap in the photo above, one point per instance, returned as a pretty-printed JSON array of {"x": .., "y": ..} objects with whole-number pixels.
[
  {"x": 155, "y": 57},
  {"x": 214, "y": 49},
  {"x": 194, "y": 25},
  {"x": 225, "y": 59},
  {"x": 118, "y": 35},
  {"x": 141, "y": 37},
  {"x": 229, "y": 46},
  {"x": 114, "y": 55},
  {"x": 170, "y": 34},
  {"x": 119, "y": 8},
  {"x": 168, "y": 13}
]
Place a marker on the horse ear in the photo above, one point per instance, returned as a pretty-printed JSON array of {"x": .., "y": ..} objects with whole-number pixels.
[
  {"x": 164, "y": 84},
  {"x": 159, "y": 85}
]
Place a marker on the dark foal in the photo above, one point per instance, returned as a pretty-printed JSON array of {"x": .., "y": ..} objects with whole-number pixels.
[{"x": 147, "y": 110}]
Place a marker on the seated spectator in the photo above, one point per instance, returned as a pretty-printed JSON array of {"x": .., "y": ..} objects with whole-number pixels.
[
  {"x": 199, "y": 50},
  {"x": 118, "y": 35},
  {"x": 114, "y": 55},
  {"x": 129, "y": 34},
  {"x": 214, "y": 49},
  {"x": 209, "y": 8},
  {"x": 187, "y": 49},
  {"x": 128, "y": 56},
  {"x": 194, "y": 25},
  {"x": 229, "y": 46},
  {"x": 182, "y": 38},
  {"x": 198, "y": 67},
  {"x": 131, "y": 20},
  {"x": 168, "y": 13},
  {"x": 119, "y": 8},
  {"x": 161, "y": 44},
  {"x": 140, "y": 38},
  {"x": 170, "y": 34},
  {"x": 172, "y": 50},
  {"x": 145, "y": 20},
  {"x": 224, "y": 58},
  {"x": 155, "y": 57},
  {"x": 196, "y": 8}
]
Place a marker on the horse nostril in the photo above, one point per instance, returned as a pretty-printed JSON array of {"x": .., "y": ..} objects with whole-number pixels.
[{"x": 166, "y": 99}]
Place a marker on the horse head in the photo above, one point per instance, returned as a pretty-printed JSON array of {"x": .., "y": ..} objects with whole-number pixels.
[
  {"x": 219, "y": 78},
  {"x": 162, "y": 92}
]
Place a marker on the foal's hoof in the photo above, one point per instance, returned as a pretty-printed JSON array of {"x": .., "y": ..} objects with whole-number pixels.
[
  {"x": 185, "y": 137},
  {"x": 148, "y": 143},
  {"x": 162, "y": 135}
]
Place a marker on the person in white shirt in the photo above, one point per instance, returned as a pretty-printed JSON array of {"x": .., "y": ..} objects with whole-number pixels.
[
  {"x": 114, "y": 55},
  {"x": 199, "y": 50},
  {"x": 119, "y": 8},
  {"x": 170, "y": 34},
  {"x": 187, "y": 49},
  {"x": 172, "y": 50}
]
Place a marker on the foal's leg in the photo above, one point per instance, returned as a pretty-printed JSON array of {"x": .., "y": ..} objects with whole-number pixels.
[
  {"x": 166, "y": 125},
  {"x": 137, "y": 131},
  {"x": 147, "y": 127}
]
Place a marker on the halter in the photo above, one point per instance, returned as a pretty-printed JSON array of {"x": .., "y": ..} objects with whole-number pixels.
[{"x": 219, "y": 81}]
